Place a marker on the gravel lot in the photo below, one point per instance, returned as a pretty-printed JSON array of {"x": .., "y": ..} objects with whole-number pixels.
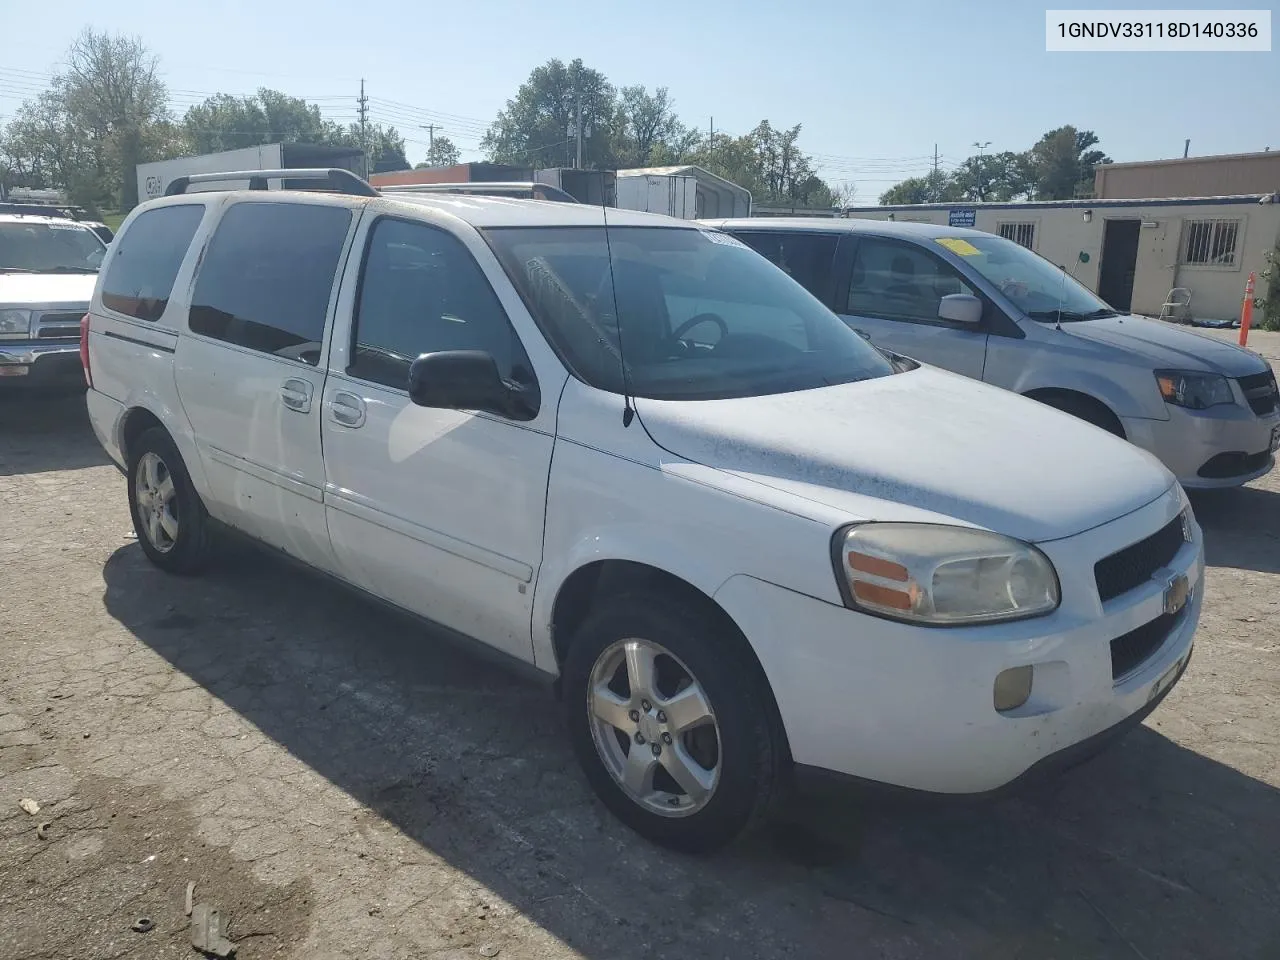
[{"x": 341, "y": 783}]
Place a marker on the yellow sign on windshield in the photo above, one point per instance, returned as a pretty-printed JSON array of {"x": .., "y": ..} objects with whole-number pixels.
[{"x": 962, "y": 247}]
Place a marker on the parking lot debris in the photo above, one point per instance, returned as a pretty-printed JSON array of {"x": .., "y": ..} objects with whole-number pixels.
[
  {"x": 143, "y": 925},
  {"x": 206, "y": 932},
  {"x": 29, "y": 806},
  {"x": 191, "y": 890},
  {"x": 42, "y": 831},
  {"x": 490, "y": 950}
]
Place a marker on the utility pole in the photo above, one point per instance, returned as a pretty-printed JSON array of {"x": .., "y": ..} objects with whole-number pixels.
[
  {"x": 578, "y": 124},
  {"x": 431, "y": 140},
  {"x": 1186, "y": 148},
  {"x": 364, "y": 134},
  {"x": 935, "y": 160},
  {"x": 981, "y": 172},
  {"x": 711, "y": 141}
]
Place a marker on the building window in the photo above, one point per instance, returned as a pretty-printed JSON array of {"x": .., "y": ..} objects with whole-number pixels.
[
  {"x": 1210, "y": 242},
  {"x": 1023, "y": 233}
]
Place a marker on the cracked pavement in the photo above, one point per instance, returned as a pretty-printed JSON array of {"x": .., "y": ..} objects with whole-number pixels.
[{"x": 341, "y": 783}]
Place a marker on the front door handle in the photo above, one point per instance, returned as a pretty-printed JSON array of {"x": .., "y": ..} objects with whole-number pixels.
[
  {"x": 296, "y": 394},
  {"x": 347, "y": 409}
]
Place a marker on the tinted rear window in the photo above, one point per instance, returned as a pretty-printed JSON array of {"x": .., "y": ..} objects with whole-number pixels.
[
  {"x": 266, "y": 279},
  {"x": 147, "y": 257}
]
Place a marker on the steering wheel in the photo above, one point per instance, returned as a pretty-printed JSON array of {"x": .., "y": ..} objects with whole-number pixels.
[
  {"x": 680, "y": 331},
  {"x": 1014, "y": 288}
]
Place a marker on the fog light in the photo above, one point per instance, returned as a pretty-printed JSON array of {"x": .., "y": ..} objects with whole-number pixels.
[{"x": 1012, "y": 688}]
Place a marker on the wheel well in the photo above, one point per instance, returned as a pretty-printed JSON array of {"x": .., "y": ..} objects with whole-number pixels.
[
  {"x": 596, "y": 582},
  {"x": 1088, "y": 407},
  {"x": 136, "y": 422}
]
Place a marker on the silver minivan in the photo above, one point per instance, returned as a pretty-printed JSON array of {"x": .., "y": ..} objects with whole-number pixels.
[{"x": 989, "y": 308}]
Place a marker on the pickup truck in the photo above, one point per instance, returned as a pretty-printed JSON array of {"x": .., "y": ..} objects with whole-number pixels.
[{"x": 48, "y": 267}]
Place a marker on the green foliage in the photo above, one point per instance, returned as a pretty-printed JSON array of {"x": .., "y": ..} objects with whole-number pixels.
[
  {"x": 1058, "y": 167},
  {"x": 103, "y": 115},
  {"x": 442, "y": 153},
  {"x": 538, "y": 127},
  {"x": 224, "y": 122},
  {"x": 632, "y": 127},
  {"x": 1269, "y": 303}
]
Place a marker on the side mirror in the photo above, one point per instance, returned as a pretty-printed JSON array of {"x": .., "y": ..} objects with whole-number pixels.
[
  {"x": 468, "y": 380},
  {"x": 960, "y": 308}
]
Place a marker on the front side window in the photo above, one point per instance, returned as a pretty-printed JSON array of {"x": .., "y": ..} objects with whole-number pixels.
[
  {"x": 267, "y": 277},
  {"x": 35, "y": 246},
  {"x": 423, "y": 292},
  {"x": 803, "y": 256},
  {"x": 693, "y": 314},
  {"x": 1035, "y": 286},
  {"x": 147, "y": 258},
  {"x": 900, "y": 281}
]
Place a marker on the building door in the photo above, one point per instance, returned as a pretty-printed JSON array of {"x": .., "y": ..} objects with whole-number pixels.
[{"x": 1119, "y": 262}]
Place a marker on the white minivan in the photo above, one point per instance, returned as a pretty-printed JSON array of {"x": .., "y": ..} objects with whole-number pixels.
[{"x": 636, "y": 457}]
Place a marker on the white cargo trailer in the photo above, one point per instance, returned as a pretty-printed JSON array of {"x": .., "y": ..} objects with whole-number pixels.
[
  {"x": 154, "y": 178},
  {"x": 673, "y": 195}
]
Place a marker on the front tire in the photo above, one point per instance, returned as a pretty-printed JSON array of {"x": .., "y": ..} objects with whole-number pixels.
[
  {"x": 671, "y": 722},
  {"x": 168, "y": 515}
]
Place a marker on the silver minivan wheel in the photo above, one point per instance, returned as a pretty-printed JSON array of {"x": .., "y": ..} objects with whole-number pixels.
[
  {"x": 157, "y": 500},
  {"x": 654, "y": 728}
]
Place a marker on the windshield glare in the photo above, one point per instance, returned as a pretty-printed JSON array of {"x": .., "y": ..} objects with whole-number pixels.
[
  {"x": 701, "y": 315},
  {"x": 49, "y": 248},
  {"x": 1031, "y": 282}
]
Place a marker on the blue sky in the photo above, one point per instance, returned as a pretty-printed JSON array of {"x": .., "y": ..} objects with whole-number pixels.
[{"x": 875, "y": 85}]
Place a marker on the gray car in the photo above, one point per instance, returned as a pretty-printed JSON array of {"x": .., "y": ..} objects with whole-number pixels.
[{"x": 988, "y": 308}]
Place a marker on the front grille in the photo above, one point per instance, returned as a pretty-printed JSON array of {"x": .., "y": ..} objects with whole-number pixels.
[
  {"x": 1261, "y": 392},
  {"x": 58, "y": 326},
  {"x": 1130, "y": 650},
  {"x": 1134, "y": 565}
]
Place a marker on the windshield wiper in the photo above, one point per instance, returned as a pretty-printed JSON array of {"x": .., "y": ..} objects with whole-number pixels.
[
  {"x": 68, "y": 270},
  {"x": 16, "y": 270},
  {"x": 1063, "y": 316}
]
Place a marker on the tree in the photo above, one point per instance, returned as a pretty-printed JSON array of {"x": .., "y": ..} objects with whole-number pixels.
[
  {"x": 112, "y": 91},
  {"x": 769, "y": 163},
  {"x": 934, "y": 187},
  {"x": 442, "y": 153},
  {"x": 384, "y": 146},
  {"x": 992, "y": 177},
  {"x": 100, "y": 118},
  {"x": 225, "y": 122},
  {"x": 1061, "y": 164},
  {"x": 647, "y": 130},
  {"x": 538, "y": 127}
]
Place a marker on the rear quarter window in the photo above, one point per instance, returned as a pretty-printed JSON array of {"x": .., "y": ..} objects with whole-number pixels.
[
  {"x": 267, "y": 277},
  {"x": 139, "y": 279}
]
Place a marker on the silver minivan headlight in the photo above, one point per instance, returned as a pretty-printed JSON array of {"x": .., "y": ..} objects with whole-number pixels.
[
  {"x": 15, "y": 324},
  {"x": 941, "y": 575}
]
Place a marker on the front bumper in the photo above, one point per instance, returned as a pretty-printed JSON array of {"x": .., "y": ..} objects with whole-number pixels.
[
  {"x": 27, "y": 363},
  {"x": 912, "y": 706},
  {"x": 1224, "y": 446}
]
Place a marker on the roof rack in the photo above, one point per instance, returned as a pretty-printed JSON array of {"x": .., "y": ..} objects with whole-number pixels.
[{"x": 340, "y": 181}]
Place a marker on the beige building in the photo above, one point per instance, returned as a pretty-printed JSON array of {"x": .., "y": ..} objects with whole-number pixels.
[
  {"x": 1221, "y": 176},
  {"x": 1137, "y": 250}
]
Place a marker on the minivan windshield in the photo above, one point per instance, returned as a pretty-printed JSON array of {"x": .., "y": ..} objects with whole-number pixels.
[
  {"x": 40, "y": 247},
  {"x": 1037, "y": 287},
  {"x": 696, "y": 314}
]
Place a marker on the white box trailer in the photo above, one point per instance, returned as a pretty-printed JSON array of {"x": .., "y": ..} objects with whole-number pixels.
[
  {"x": 673, "y": 195},
  {"x": 154, "y": 178}
]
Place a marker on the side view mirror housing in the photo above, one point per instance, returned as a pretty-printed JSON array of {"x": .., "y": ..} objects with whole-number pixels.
[
  {"x": 960, "y": 308},
  {"x": 469, "y": 380}
]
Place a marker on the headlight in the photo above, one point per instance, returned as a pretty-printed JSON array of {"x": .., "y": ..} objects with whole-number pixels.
[
  {"x": 942, "y": 575},
  {"x": 1196, "y": 391},
  {"x": 15, "y": 323}
]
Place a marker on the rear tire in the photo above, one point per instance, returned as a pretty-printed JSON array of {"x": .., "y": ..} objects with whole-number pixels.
[
  {"x": 692, "y": 760},
  {"x": 169, "y": 518}
]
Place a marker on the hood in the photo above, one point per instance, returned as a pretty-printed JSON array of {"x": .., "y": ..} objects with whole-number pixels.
[
  {"x": 1168, "y": 346},
  {"x": 927, "y": 440},
  {"x": 46, "y": 289}
]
